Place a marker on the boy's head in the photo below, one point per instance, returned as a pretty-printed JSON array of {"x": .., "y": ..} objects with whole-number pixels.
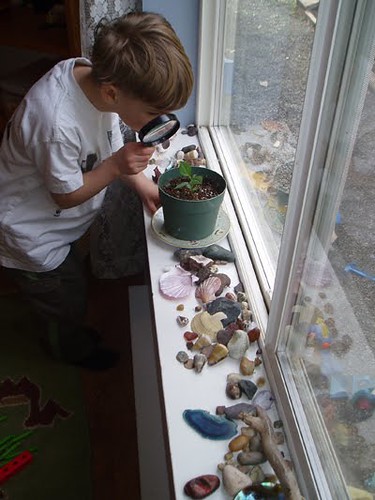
[{"x": 140, "y": 54}]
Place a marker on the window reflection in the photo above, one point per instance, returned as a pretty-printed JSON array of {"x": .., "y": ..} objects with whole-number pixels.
[
  {"x": 333, "y": 323},
  {"x": 267, "y": 52}
]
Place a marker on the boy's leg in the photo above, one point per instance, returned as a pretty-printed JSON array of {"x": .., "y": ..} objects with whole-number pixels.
[{"x": 60, "y": 298}]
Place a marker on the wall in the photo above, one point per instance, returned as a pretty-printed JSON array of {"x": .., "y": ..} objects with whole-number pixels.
[{"x": 184, "y": 17}]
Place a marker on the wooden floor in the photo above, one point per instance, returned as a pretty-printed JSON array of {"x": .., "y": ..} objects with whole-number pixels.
[{"x": 110, "y": 395}]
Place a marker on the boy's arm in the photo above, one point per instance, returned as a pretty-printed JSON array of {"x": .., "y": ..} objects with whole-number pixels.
[
  {"x": 128, "y": 161},
  {"x": 146, "y": 189}
]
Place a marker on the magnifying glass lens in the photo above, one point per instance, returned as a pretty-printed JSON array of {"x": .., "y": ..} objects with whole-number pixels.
[{"x": 159, "y": 130}]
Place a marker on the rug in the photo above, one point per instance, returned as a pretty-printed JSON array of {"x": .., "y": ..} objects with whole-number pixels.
[{"x": 43, "y": 424}]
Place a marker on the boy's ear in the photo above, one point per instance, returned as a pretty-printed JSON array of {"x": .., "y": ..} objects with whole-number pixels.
[{"x": 109, "y": 93}]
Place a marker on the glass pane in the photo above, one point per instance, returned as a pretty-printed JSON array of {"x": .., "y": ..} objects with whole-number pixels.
[
  {"x": 267, "y": 51},
  {"x": 331, "y": 338}
]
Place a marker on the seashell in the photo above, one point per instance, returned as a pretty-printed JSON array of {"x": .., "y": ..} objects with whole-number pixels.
[
  {"x": 247, "y": 366},
  {"x": 202, "y": 341},
  {"x": 238, "y": 344},
  {"x": 231, "y": 296},
  {"x": 208, "y": 324},
  {"x": 218, "y": 353},
  {"x": 234, "y": 480},
  {"x": 231, "y": 309},
  {"x": 180, "y": 307},
  {"x": 216, "y": 252},
  {"x": 264, "y": 399},
  {"x": 206, "y": 291},
  {"x": 238, "y": 443},
  {"x": 248, "y": 387},
  {"x": 225, "y": 282},
  {"x": 210, "y": 426},
  {"x": 201, "y": 486},
  {"x": 176, "y": 283},
  {"x": 199, "y": 361}
]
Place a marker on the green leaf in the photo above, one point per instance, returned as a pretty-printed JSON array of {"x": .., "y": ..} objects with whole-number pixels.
[
  {"x": 183, "y": 184},
  {"x": 185, "y": 169}
]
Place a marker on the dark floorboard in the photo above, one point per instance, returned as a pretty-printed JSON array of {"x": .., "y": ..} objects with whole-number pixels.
[{"x": 110, "y": 395}]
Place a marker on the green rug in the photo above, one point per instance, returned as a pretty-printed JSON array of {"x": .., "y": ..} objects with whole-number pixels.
[{"x": 42, "y": 407}]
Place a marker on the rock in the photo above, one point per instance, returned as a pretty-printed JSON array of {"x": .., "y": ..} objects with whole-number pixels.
[
  {"x": 251, "y": 458},
  {"x": 231, "y": 309},
  {"x": 238, "y": 344},
  {"x": 216, "y": 252},
  {"x": 210, "y": 426},
  {"x": 234, "y": 480},
  {"x": 202, "y": 486},
  {"x": 248, "y": 387}
]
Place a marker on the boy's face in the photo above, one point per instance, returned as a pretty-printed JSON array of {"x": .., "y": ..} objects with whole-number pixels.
[{"x": 135, "y": 113}]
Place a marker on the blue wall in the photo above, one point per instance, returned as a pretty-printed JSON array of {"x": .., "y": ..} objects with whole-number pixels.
[{"x": 184, "y": 17}]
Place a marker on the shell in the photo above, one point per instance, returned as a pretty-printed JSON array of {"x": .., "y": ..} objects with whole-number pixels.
[
  {"x": 207, "y": 324},
  {"x": 203, "y": 341},
  {"x": 206, "y": 291},
  {"x": 218, "y": 353},
  {"x": 176, "y": 283}
]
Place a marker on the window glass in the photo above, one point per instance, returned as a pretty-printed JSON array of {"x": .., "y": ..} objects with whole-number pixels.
[
  {"x": 331, "y": 342},
  {"x": 267, "y": 48}
]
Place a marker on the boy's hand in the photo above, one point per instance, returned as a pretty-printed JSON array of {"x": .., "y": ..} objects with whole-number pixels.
[
  {"x": 132, "y": 158},
  {"x": 146, "y": 189}
]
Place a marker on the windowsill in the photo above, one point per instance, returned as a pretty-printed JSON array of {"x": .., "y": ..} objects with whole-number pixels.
[{"x": 190, "y": 454}]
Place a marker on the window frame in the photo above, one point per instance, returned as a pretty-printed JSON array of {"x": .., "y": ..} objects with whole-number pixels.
[{"x": 335, "y": 29}]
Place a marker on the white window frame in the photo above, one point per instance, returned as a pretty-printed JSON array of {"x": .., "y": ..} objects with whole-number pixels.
[{"x": 337, "y": 20}]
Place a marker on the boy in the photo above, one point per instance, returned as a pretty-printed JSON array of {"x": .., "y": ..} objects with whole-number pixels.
[{"x": 63, "y": 147}]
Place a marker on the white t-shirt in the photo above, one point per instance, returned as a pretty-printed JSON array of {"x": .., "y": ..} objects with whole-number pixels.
[{"x": 54, "y": 136}]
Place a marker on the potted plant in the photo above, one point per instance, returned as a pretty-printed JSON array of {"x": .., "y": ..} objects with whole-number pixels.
[{"x": 191, "y": 197}]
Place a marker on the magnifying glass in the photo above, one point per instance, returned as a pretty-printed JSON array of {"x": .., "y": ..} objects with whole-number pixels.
[{"x": 159, "y": 130}]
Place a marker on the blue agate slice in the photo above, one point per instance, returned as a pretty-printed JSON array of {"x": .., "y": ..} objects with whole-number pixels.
[{"x": 210, "y": 426}]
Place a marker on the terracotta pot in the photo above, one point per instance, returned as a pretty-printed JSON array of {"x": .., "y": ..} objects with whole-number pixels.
[{"x": 190, "y": 219}]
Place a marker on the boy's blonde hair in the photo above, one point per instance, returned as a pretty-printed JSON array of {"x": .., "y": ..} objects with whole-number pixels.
[{"x": 141, "y": 54}]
